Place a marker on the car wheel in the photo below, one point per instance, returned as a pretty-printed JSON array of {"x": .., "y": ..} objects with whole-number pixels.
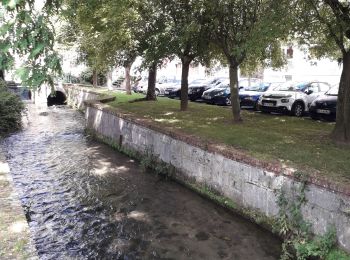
[
  {"x": 298, "y": 109},
  {"x": 228, "y": 101},
  {"x": 157, "y": 92}
]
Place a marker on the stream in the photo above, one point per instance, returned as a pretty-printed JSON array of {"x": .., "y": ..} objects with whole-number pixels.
[{"x": 84, "y": 200}]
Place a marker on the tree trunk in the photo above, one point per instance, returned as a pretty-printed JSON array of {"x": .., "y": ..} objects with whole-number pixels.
[
  {"x": 152, "y": 77},
  {"x": 186, "y": 61},
  {"x": 128, "y": 78},
  {"x": 236, "y": 108},
  {"x": 341, "y": 132},
  {"x": 2, "y": 75},
  {"x": 109, "y": 79},
  {"x": 94, "y": 78}
]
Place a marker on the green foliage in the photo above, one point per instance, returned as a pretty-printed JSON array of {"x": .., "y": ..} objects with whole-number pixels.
[
  {"x": 318, "y": 247},
  {"x": 337, "y": 254},
  {"x": 11, "y": 108},
  {"x": 28, "y": 33},
  {"x": 296, "y": 231},
  {"x": 103, "y": 30},
  {"x": 250, "y": 31},
  {"x": 324, "y": 26},
  {"x": 187, "y": 26},
  {"x": 150, "y": 161},
  {"x": 209, "y": 193}
]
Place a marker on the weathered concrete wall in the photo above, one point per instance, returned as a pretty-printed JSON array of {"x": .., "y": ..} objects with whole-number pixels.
[
  {"x": 76, "y": 95},
  {"x": 251, "y": 185},
  {"x": 39, "y": 96}
]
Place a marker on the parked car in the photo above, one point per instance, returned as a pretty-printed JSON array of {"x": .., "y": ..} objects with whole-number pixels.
[
  {"x": 165, "y": 84},
  {"x": 141, "y": 86},
  {"x": 245, "y": 83},
  {"x": 196, "y": 89},
  {"x": 175, "y": 91},
  {"x": 292, "y": 98},
  {"x": 161, "y": 85},
  {"x": 325, "y": 106},
  {"x": 220, "y": 95},
  {"x": 250, "y": 96}
]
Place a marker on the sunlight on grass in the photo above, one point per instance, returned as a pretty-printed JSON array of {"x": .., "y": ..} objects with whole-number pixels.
[{"x": 171, "y": 121}]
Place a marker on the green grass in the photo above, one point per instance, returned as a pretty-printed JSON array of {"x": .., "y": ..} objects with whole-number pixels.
[{"x": 297, "y": 142}]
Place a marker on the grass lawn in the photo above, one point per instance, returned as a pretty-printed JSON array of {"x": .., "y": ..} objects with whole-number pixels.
[{"x": 298, "y": 142}]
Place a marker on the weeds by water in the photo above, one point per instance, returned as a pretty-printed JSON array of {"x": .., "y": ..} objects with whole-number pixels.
[{"x": 299, "y": 242}]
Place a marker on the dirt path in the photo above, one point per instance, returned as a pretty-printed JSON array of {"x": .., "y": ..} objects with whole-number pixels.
[{"x": 15, "y": 240}]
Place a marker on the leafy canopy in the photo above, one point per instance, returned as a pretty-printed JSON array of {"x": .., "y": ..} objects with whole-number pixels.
[{"x": 27, "y": 32}]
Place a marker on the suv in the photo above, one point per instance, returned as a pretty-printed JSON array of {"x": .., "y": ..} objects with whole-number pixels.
[{"x": 292, "y": 98}]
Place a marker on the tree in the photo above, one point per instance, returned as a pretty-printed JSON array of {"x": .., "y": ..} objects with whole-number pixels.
[
  {"x": 325, "y": 26},
  {"x": 27, "y": 31},
  {"x": 245, "y": 31},
  {"x": 105, "y": 33},
  {"x": 149, "y": 30},
  {"x": 188, "y": 30}
]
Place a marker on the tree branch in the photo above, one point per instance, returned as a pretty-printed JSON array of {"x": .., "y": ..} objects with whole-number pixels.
[{"x": 338, "y": 41}]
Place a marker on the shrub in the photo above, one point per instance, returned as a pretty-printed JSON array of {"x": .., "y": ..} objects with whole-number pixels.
[{"x": 11, "y": 108}]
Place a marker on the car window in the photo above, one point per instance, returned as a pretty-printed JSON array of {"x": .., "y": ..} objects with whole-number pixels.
[
  {"x": 291, "y": 87},
  {"x": 324, "y": 87},
  {"x": 197, "y": 81},
  {"x": 314, "y": 87},
  {"x": 223, "y": 85},
  {"x": 260, "y": 87},
  {"x": 333, "y": 91}
]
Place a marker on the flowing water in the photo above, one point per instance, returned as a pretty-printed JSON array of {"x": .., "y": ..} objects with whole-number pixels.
[{"x": 84, "y": 200}]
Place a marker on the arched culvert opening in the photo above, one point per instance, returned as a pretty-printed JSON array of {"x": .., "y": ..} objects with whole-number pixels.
[{"x": 57, "y": 98}]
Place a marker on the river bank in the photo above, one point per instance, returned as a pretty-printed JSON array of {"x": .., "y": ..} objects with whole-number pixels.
[{"x": 16, "y": 241}]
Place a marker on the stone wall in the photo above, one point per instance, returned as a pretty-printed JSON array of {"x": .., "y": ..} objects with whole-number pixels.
[
  {"x": 77, "y": 94},
  {"x": 250, "y": 184}
]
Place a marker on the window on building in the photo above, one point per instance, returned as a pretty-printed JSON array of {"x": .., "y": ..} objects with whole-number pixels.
[{"x": 290, "y": 52}]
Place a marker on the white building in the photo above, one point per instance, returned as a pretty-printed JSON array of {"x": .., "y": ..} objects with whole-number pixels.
[{"x": 301, "y": 68}]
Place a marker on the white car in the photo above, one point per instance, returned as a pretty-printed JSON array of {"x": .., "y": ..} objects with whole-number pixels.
[
  {"x": 293, "y": 98},
  {"x": 141, "y": 86}
]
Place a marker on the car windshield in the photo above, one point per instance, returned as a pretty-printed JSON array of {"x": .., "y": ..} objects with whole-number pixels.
[
  {"x": 291, "y": 87},
  {"x": 217, "y": 81},
  {"x": 258, "y": 88},
  {"x": 333, "y": 91},
  {"x": 198, "y": 81},
  {"x": 223, "y": 85}
]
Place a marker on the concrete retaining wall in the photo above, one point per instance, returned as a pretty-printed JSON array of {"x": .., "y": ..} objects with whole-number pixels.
[
  {"x": 246, "y": 184},
  {"x": 77, "y": 94}
]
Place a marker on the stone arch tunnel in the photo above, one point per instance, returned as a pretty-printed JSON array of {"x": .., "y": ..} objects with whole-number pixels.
[{"x": 56, "y": 98}]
